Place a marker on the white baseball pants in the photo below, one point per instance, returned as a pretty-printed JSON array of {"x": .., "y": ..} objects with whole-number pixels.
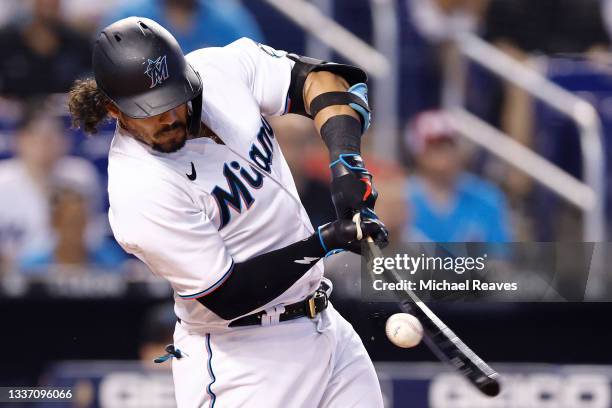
[{"x": 300, "y": 363}]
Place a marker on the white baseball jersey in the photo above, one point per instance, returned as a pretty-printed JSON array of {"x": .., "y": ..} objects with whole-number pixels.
[{"x": 191, "y": 214}]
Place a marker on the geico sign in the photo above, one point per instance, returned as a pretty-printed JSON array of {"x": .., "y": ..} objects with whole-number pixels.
[
  {"x": 136, "y": 390},
  {"x": 539, "y": 390}
]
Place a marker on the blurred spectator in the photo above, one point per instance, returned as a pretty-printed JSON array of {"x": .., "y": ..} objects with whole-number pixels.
[
  {"x": 302, "y": 148},
  {"x": 558, "y": 139},
  {"x": 522, "y": 28},
  {"x": 438, "y": 21},
  {"x": 70, "y": 217},
  {"x": 9, "y": 11},
  {"x": 547, "y": 26},
  {"x": 426, "y": 26},
  {"x": 196, "y": 23},
  {"x": 40, "y": 53},
  {"x": 27, "y": 181},
  {"x": 87, "y": 15},
  {"x": 446, "y": 203},
  {"x": 83, "y": 15}
]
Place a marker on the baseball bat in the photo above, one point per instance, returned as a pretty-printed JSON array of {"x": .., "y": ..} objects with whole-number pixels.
[{"x": 441, "y": 340}]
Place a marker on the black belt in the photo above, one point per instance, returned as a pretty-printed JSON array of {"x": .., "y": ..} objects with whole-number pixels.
[{"x": 311, "y": 306}]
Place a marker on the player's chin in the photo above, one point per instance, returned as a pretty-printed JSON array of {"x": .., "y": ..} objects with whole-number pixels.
[{"x": 171, "y": 145}]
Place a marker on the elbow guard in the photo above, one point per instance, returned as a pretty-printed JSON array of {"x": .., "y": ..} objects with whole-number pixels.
[{"x": 356, "y": 96}]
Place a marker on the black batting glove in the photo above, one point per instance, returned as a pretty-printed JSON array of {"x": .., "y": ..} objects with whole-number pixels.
[
  {"x": 348, "y": 233},
  {"x": 351, "y": 186}
]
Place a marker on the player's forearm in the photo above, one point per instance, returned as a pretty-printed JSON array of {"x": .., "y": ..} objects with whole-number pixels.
[
  {"x": 259, "y": 280},
  {"x": 339, "y": 125},
  {"x": 341, "y": 115}
]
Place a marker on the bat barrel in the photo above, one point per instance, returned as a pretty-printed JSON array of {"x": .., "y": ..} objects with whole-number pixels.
[{"x": 441, "y": 340}]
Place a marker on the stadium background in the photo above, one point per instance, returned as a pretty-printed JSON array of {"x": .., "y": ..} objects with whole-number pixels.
[{"x": 75, "y": 310}]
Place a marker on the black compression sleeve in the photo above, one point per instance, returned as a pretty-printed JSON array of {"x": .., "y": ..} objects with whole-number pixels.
[
  {"x": 255, "y": 282},
  {"x": 341, "y": 134}
]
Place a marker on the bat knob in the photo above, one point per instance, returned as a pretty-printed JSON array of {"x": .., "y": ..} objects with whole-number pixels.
[{"x": 490, "y": 386}]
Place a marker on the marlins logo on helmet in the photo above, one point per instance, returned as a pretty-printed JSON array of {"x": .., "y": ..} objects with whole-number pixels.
[{"x": 157, "y": 70}]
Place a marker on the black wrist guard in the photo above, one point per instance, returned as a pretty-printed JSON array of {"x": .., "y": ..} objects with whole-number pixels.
[{"x": 341, "y": 134}]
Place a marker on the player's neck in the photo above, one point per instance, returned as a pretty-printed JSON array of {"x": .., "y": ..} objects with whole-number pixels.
[{"x": 205, "y": 131}]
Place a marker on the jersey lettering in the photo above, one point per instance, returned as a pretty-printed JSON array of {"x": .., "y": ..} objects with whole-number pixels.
[
  {"x": 234, "y": 198},
  {"x": 263, "y": 160},
  {"x": 238, "y": 190},
  {"x": 255, "y": 182}
]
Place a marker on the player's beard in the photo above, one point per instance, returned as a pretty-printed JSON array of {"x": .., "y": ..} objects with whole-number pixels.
[
  {"x": 174, "y": 144},
  {"x": 170, "y": 146}
]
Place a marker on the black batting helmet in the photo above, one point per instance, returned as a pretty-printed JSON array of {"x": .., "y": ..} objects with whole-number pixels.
[{"x": 141, "y": 68}]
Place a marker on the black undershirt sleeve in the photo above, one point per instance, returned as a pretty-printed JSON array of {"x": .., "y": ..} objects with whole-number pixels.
[
  {"x": 257, "y": 281},
  {"x": 341, "y": 134}
]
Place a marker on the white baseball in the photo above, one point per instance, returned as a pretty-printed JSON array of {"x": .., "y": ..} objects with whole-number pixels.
[{"x": 404, "y": 330}]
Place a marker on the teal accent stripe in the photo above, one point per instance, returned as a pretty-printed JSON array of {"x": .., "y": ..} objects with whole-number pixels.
[
  {"x": 214, "y": 287},
  {"x": 213, "y": 396},
  {"x": 321, "y": 238}
]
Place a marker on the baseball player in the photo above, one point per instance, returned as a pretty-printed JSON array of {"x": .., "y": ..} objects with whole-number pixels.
[{"x": 200, "y": 192}]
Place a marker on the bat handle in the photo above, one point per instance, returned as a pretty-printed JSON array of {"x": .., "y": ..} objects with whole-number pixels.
[
  {"x": 373, "y": 248},
  {"x": 357, "y": 221}
]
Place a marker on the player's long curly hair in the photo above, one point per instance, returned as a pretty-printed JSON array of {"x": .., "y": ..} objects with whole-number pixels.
[{"x": 87, "y": 105}]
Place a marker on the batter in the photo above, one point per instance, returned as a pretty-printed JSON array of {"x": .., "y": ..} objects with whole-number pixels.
[{"x": 200, "y": 192}]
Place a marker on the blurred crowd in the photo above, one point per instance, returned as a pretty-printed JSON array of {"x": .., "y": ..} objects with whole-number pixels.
[
  {"x": 53, "y": 208},
  {"x": 438, "y": 188}
]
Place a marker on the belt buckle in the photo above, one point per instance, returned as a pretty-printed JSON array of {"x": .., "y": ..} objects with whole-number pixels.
[
  {"x": 312, "y": 312},
  {"x": 312, "y": 309}
]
